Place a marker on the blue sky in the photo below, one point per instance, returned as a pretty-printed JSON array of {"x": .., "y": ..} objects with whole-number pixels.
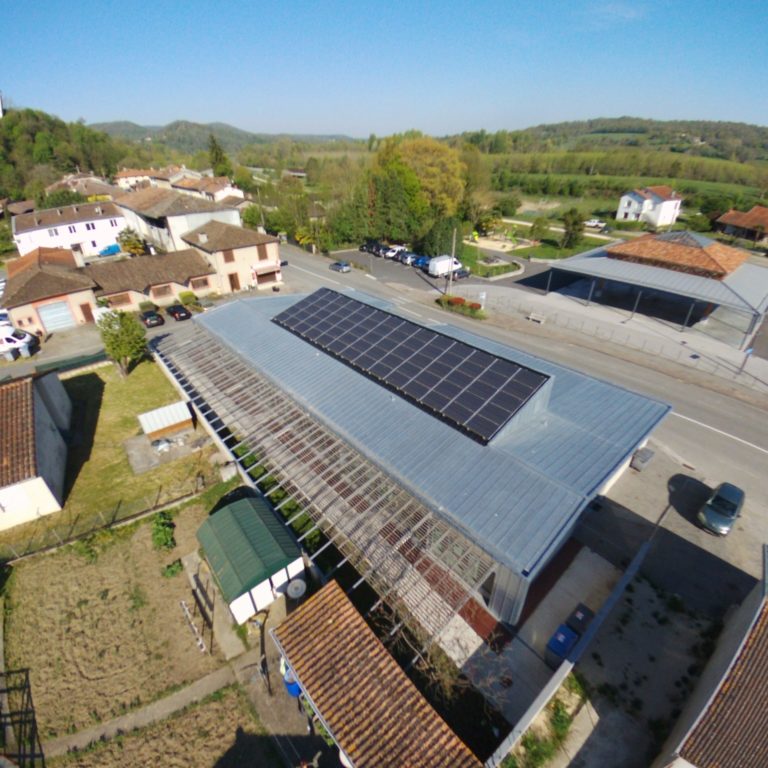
[{"x": 363, "y": 67}]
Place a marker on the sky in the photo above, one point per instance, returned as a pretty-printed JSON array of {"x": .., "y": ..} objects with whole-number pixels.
[{"x": 357, "y": 68}]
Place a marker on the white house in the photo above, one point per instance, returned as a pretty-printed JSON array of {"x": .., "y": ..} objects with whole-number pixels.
[
  {"x": 85, "y": 228},
  {"x": 34, "y": 411},
  {"x": 658, "y": 206},
  {"x": 130, "y": 178},
  {"x": 162, "y": 216},
  {"x": 209, "y": 188}
]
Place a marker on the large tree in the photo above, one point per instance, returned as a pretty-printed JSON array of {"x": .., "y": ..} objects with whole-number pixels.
[
  {"x": 219, "y": 160},
  {"x": 124, "y": 338},
  {"x": 573, "y": 224}
]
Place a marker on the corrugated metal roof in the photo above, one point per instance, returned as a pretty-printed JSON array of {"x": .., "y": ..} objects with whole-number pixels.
[
  {"x": 745, "y": 289},
  {"x": 516, "y": 497},
  {"x": 245, "y": 544},
  {"x": 373, "y": 710},
  {"x": 164, "y": 417}
]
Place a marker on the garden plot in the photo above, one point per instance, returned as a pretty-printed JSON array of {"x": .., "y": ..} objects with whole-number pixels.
[
  {"x": 219, "y": 731},
  {"x": 101, "y": 628}
]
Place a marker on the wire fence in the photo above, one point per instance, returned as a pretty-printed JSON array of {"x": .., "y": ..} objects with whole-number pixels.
[{"x": 516, "y": 305}]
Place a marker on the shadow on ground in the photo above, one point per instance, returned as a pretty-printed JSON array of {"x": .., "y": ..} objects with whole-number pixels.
[
  {"x": 258, "y": 750},
  {"x": 686, "y": 496}
]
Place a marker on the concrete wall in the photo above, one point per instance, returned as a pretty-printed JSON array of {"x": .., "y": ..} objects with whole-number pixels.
[
  {"x": 50, "y": 449},
  {"x": 147, "y": 230},
  {"x": 25, "y": 501},
  {"x": 27, "y": 317},
  {"x": 55, "y": 399},
  {"x": 91, "y": 236}
]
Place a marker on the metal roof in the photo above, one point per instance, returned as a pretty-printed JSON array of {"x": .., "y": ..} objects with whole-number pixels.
[
  {"x": 745, "y": 289},
  {"x": 374, "y": 712},
  {"x": 245, "y": 544},
  {"x": 516, "y": 497},
  {"x": 164, "y": 417}
]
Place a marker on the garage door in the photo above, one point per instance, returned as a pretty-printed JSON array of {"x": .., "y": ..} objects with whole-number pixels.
[{"x": 56, "y": 316}]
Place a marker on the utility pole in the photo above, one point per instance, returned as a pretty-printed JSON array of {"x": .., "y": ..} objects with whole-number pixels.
[{"x": 453, "y": 256}]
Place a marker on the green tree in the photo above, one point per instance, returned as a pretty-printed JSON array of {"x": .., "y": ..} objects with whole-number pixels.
[
  {"x": 573, "y": 223},
  {"x": 129, "y": 241},
  {"x": 124, "y": 338},
  {"x": 60, "y": 198},
  {"x": 253, "y": 217},
  {"x": 509, "y": 205},
  {"x": 219, "y": 161},
  {"x": 439, "y": 239},
  {"x": 539, "y": 229}
]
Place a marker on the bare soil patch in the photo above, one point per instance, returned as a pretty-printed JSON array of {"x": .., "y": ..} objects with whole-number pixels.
[
  {"x": 220, "y": 731},
  {"x": 102, "y": 636}
]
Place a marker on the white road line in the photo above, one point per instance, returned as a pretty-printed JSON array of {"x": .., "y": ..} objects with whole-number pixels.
[
  {"x": 720, "y": 432},
  {"x": 316, "y": 274}
]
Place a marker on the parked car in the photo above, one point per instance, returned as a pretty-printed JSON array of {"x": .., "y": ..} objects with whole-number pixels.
[
  {"x": 151, "y": 319},
  {"x": 594, "y": 223},
  {"x": 340, "y": 266},
  {"x": 407, "y": 257},
  {"x": 369, "y": 246},
  {"x": 394, "y": 251},
  {"x": 421, "y": 262},
  {"x": 14, "y": 341},
  {"x": 5, "y": 318},
  {"x": 460, "y": 274},
  {"x": 178, "y": 312},
  {"x": 721, "y": 509}
]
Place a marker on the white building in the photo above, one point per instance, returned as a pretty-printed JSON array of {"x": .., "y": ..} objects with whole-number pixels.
[
  {"x": 208, "y": 188},
  {"x": 85, "y": 228},
  {"x": 656, "y": 206},
  {"x": 162, "y": 216}
]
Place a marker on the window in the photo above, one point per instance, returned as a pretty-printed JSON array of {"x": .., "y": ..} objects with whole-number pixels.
[
  {"x": 229, "y": 257},
  {"x": 262, "y": 251},
  {"x": 626, "y": 215},
  {"x": 93, "y": 243},
  {"x": 72, "y": 228},
  {"x": 162, "y": 290},
  {"x": 53, "y": 232},
  {"x": 119, "y": 299},
  {"x": 198, "y": 282},
  {"x": 90, "y": 225},
  {"x": 113, "y": 222}
]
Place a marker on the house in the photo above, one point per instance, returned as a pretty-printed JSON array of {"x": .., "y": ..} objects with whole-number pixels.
[
  {"x": 162, "y": 216},
  {"x": 217, "y": 188},
  {"x": 166, "y": 177},
  {"x": 129, "y": 179},
  {"x": 20, "y": 206},
  {"x": 752, "y": 225},
  {"x": 50, "y": 290},
  {"x": 369, "y": 706},
  {"x": 725, "y": 720},
  {"x": 251, "y": 554},
  {"x": 47, "y": 291},
  {"x": 85, "y": 228},
  {"x": 35, "y": 412},
  {"x": 242, "y": 258},
  {"x": 91, "y": 187},
  {"x": 656, "y": 206}
]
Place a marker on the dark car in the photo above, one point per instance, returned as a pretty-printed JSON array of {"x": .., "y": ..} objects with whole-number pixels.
[
  {"x": 178, "y": 312},
  {"x": 460, "y": 274},
  {"x": 369, "y": 246},
  {"x": 151, "y": 319},
  {"x": 721, "y": 509}
]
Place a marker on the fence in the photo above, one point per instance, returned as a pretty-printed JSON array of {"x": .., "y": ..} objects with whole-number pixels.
[{"x": 514, "y": 304}]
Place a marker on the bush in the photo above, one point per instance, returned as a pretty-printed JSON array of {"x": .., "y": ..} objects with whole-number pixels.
[
  {"x": 187, "y": 297},
  {"x": 146, "y": 306},
  {"x": 162, "y": 531},
  {"x": 475, "y": 306},
  {"x": 172, "y": 569},
  {"x": 456, "y": 301}
]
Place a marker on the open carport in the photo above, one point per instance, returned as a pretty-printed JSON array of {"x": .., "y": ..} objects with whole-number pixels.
[{"x": 679, "y": 277}]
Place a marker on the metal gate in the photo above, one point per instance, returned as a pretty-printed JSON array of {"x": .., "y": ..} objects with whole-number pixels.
[{"x": 56, "y": 316}]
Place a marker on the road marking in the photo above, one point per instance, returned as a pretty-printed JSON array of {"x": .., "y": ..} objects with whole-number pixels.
[
  {"x": 316, "y": 274},
  {"x": 370, "y": 276},
  {"x": 720, "y": 432}
]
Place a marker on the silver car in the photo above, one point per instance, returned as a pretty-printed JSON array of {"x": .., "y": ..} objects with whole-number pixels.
[{"x": 721, "y": 509}]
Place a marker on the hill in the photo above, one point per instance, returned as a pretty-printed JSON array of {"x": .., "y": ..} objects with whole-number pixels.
[{"x": 188, "y": 137}]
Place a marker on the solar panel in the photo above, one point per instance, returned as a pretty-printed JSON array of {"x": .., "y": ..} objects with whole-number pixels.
[{"x": 470, "y": 389}]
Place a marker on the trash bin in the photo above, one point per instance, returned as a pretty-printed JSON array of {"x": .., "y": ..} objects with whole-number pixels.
[
  {"x": 580, "y": 619},
  {"x": 641, "y": 458},
  {"x": 560, "y": 645}
]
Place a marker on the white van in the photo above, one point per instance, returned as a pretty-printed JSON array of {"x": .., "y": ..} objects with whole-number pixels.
[{"x": 440, "y": 266}]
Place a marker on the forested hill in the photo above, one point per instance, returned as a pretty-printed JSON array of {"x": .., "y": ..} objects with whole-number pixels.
[
  {"x": 188, "y": 137},
  {"x": 728, "y": 141}
]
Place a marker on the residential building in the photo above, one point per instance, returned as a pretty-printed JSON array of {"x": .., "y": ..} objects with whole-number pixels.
[
  {"x": 85, "y": 228},
  {"x": 217, "y": 188},
  {"x": 242, "y": 258},
  {"x": 91, "y": 187},
  {"x": 752, "y": 225},
  {"x": 163, "y": 216},
  {"x": 34, "y": 414},
  {"x": 129, "y": 179},
  {"x": 656, "y": 206}
]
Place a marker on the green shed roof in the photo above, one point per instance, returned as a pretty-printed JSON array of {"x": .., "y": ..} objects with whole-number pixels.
[{"x": 245, "y": 544}]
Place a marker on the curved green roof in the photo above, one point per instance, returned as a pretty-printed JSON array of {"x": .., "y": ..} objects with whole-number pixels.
[{"x": 245, "y": 544}]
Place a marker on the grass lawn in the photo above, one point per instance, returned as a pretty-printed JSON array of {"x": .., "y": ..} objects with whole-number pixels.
[
  {"x": 100, "y": 484},
  {"x": 549, "y": 248},
  {"x": 219, "y": 731}
]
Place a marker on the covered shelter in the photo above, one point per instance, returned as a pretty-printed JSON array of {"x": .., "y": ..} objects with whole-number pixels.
[
  {"x": 447, "y": 468},
  {"x": 699, "y": 278},
  {"x": 252, "y": 556},
  {"x": 373, "y": 712},
  {"x": 166, "y": 420}
]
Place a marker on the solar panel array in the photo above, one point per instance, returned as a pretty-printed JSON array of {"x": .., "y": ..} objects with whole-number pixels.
[{"x": 472, "y": 390}]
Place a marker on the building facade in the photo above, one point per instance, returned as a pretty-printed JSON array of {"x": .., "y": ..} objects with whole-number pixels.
[{"x": 656, "y": 206}]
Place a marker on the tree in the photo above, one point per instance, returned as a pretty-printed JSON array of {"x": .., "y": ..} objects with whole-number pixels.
[
  {"x": 129, "y": 240},
  {"x": 124, "y": 338},
  {"x": 60, "y": 198},
  {"x": 219, "y": 161},
  {"x": 508, "y": 205},
  {"x": 539, "y": 229},
  {"x": 439, "y": 239},
  {"x": 573, "y": 223}
]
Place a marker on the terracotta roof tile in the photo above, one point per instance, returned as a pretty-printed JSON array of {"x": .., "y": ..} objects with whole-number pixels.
[
  {"x": 681, "y": 251},
  {"x": 219, "y": 236},
  {"x": 43, "y": 274},
  {"x": 375, "y": 712},
  {"x": 733, "y": 730},
  {"x": 756, "y": 217},
  {"x": 156, "y": 203},
  {"x": 68, "y": 214},
  {"x": 17, "y": 432}
]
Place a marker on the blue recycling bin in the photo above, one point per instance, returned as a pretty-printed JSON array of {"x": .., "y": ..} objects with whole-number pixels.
[{"x": 560, "y": 645}]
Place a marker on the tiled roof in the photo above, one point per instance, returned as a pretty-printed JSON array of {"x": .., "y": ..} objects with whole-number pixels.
[
  {"x": 129, "y": 173},
  {"x": 375, "y": 713},
  {"x": 17, "y": 432},
  {"x": 205, "y": 184},
  {"x": 681, "y": 251},
  {"x": 732, "y": 732},
  {"x": 219, "y": 236},
  {"x": 68, "y": 214},
  {"x": 158, "y": 203},
  {"x": 42, "y": 274},
  {"x": 756, "y": 217},
  {"x": 19, "y": 207},
  {"x": 663, "y": 192},
  {"x": 141, "y": 272}
]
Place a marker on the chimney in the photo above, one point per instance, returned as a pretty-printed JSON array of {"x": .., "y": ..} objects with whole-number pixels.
[
  {"x": 58, "y": 210},
  {"x": 202, "y": 237}
]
